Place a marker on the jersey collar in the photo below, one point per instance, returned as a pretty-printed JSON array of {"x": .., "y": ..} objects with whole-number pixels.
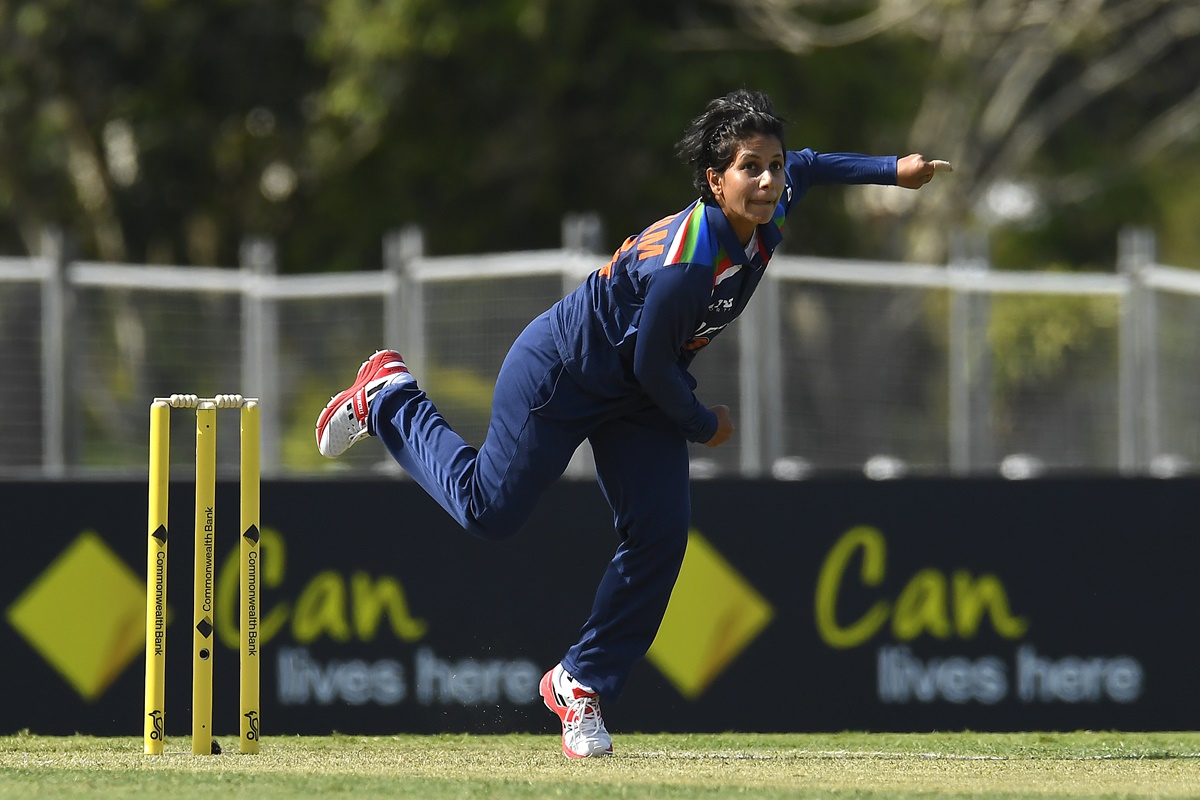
[{"x": 769, "y": 235}]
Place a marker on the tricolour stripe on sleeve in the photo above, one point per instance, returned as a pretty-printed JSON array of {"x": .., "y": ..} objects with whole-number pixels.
[{"x": 683, "y": 246}]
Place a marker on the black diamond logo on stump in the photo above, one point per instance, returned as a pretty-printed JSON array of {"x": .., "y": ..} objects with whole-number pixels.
[
  {"x": 251, "y": 534},
  {"x": 205, "y": 627},
  {"x": 160, "y": 533}
]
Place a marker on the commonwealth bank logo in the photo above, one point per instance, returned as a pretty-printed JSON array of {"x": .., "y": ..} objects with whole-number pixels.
[
  {"x": 714, "y": 614},
  {"x": 85, "y": 614}
]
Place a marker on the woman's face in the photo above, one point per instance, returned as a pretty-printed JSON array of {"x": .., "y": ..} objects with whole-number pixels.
[{"x": 750, "y": 188}]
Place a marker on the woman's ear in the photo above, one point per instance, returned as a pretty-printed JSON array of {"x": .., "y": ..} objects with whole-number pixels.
[{"x": 715, "y": 182}]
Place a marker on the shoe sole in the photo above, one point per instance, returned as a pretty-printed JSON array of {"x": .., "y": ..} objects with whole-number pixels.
[{"x": 547, "y": 691}]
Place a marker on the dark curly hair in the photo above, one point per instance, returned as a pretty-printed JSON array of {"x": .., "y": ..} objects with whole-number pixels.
[{"x": 712, "y": 138}]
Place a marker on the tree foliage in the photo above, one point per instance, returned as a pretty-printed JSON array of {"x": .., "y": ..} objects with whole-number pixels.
[
  {"x": 168, "y": 130},
  {"x": 1053, "y": 110}
]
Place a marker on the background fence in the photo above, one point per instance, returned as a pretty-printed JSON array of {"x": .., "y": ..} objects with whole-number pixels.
[{"x": 886, "y": 369}]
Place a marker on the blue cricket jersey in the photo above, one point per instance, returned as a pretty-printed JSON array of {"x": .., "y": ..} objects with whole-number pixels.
[{"x": 634, "y": 326}]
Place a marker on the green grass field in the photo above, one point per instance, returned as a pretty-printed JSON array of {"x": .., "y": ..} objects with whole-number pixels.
[{"x": 952, "y": 765}]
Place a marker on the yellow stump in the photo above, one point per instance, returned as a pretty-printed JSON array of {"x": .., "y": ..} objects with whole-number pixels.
[
  {"x": 250, "y": 479},
  {"x": 156, "y": 578},
  {"x": 203, "y": 570},
  {"x": 202, "y": 580}
]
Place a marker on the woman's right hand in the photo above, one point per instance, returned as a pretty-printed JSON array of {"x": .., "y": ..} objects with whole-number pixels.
[{"x": 724, "y": 426}]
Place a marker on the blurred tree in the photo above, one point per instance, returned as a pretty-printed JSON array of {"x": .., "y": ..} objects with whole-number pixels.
[
  {"x": 157, "y": 130},
  {"x": 485, "y": 124},
  {"x": 1046, "y": 107},
  {"x": 166, "y": 130}
]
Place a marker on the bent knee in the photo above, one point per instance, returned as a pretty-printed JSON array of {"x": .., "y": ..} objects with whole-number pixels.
[{"x": 493, "y": 529}]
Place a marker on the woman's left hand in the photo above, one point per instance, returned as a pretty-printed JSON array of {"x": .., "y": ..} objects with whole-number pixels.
[
  {"x": 724, "y": 427},
  {"x": 914, "y": 171}
]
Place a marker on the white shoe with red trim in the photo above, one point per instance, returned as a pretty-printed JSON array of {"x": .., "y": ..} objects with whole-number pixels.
[
  {"x": 344, "y": 420},
  {"x": 584, "y": 734}
]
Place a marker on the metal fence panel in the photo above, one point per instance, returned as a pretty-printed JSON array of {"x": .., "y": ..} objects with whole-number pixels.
[
  {"x": 131, "y": 345},
  {"x": 865, "y": 375},
  {"x": 21, "y": 403},
  {"x": 321, "y": 343},
  {"x": 1175, "y": 433},
  {"x": 1054, "y": 398},
  {"x": 886, "y": 369},
  {"x": 470, "y": 324}
]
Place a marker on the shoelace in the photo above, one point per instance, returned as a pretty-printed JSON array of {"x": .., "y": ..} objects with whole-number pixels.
[{"x": 583, "y": 716}]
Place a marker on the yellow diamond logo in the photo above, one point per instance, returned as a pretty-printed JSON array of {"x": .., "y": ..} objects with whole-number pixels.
[
  {"x": 713, "y": 615},
  {"x": 85, "y": 614}
]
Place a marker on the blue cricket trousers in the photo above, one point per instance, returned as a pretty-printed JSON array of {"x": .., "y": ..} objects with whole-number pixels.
[{"x": 540, "y": 415}]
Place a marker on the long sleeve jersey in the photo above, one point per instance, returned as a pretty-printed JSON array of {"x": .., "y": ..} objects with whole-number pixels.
[{"x": 634, "y": 326}]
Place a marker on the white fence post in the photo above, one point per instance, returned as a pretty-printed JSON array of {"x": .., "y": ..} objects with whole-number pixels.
[
  {"x": 1138, "y": 392},
  {"x": 54, "y": 342},
  {"x": 969, "y": 373},
  {"x": 260, "y": 343},
  {"x": 404, "y": 309}
]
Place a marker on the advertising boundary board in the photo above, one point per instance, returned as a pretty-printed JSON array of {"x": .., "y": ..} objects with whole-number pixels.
[{"x": 819, "y": 605}]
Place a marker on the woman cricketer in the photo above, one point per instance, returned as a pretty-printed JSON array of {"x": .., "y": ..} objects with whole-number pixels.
[{"x": 609, "y": 364}]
